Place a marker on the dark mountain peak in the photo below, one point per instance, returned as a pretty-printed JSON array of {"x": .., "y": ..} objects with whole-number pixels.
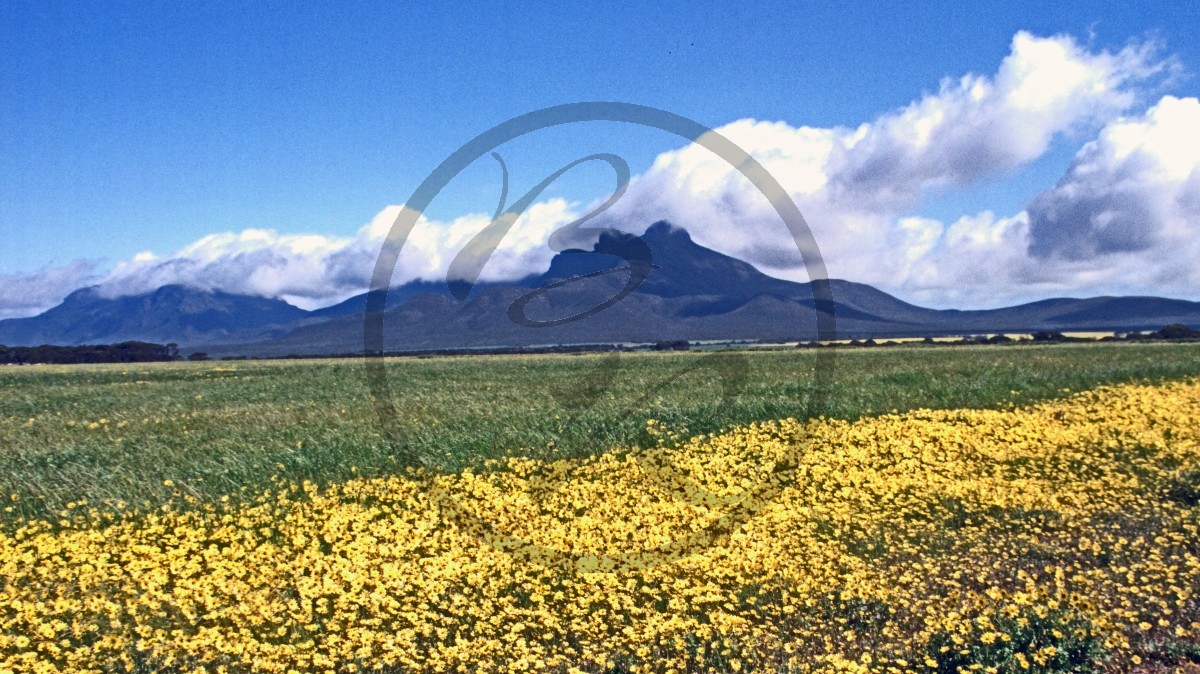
[
  {"x": 665, "y": 231},
  {"x": 661, "y": 234},
  {"x": 684, "y": 266},
  {"x": 611, "y": 242},
  {"x": 177, "y": 290},
  {"x": 85, "y": 295}
]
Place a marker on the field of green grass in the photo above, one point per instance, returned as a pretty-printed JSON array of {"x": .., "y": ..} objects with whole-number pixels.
[{"x": 137, "y": 433}]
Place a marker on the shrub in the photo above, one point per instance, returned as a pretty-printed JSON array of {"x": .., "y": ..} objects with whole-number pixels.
[
  {"x": 1185, "y": 489},
  {"x": 1177, "y": 331},
  {"x": 1018, "y": 640}
]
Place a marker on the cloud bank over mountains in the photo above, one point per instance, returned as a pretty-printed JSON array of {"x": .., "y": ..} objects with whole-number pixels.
[
  {"x": 33, "y": 293},
  {"x": 860, "y": 188},
  {"x": 1124, "y": 219},
  {"x": 311, "y": 270}
]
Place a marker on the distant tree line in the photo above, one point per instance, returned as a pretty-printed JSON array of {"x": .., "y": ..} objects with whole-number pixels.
[
  {"x": 147, "y": 352},
  {"x": 125, "y": 352},
  {"x": 1175, "y": 331}
]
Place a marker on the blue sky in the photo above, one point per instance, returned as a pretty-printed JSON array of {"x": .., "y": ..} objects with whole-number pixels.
[{"x": 131, "y": 127}]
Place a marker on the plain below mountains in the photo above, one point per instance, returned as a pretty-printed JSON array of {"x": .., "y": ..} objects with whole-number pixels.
[{"x": 694, "y": 293}]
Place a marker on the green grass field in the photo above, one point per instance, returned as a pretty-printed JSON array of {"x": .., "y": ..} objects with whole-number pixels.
[{"x": 120, "y": 432}]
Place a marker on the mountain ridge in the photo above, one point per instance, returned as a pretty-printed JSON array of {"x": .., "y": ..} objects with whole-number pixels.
[
  {"x": 694, "y": 293},
  {"x": 170, "y": 313}
]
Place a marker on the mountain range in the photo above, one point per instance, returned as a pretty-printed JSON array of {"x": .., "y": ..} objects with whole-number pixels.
[{"x": 694, "y": 293}]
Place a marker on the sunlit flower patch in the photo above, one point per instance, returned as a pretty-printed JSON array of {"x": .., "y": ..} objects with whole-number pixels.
[{"x": 1061, "y": 537}]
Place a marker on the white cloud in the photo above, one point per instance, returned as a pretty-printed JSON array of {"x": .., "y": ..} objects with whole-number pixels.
[
  {"x": 858, "y": 187},
  {"x": 1127, "y": 214},
  {"x": 1135, "y": 188},
  {"x": 977, "y": 126},
  {"x": 32, "y": 293},
  {"x": 1124, "y": 220},
  {"x": 313, "y": 270}
]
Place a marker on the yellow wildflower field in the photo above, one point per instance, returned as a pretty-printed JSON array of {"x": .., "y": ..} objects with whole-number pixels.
[{"x": 1057, "y": 537}]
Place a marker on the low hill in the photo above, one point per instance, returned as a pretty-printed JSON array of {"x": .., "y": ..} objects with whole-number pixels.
[{"x": 172, "y": 313}]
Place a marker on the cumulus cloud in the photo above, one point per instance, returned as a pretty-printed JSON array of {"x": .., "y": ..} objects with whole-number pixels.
[
  {"x": 1133, "y": 189},
  {"x": 858, "y": 186},
  {"x": 977, "y": 126},
  {"x": 32, "y": 293},
  {"x": 1125, "y": 219}
]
